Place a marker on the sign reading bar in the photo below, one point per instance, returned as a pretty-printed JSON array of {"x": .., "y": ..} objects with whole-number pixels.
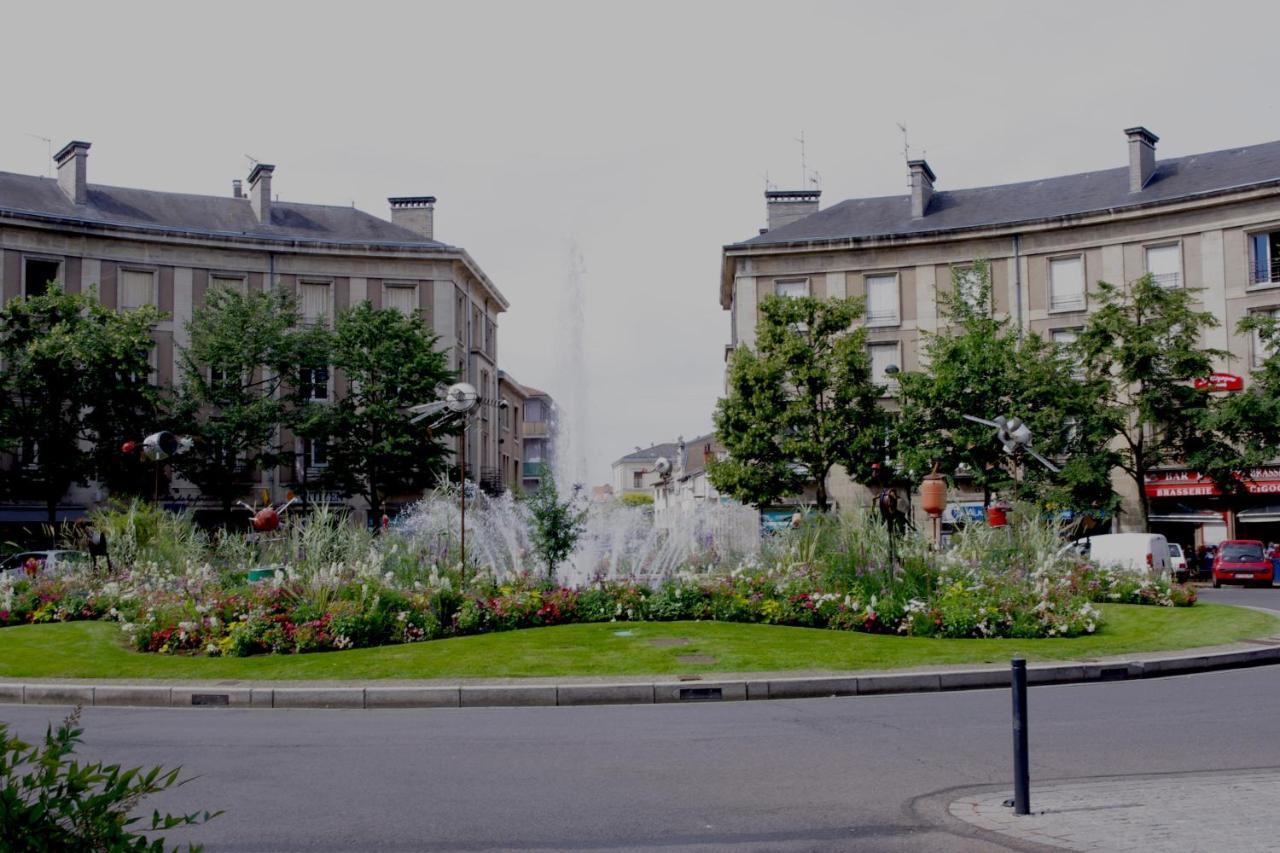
[
  {"x": 1182, "y": 484},
  {"x": 1221, "y": 382}
]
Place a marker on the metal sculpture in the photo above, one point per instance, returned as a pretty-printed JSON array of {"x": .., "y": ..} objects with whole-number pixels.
[{"x": 1014, "y": 435}]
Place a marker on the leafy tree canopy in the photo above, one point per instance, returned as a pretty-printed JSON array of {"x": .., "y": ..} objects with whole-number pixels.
[
  {"x": 74, "y": 384},
  {"x": 799, "y": 404},
  {"x": 385, "y": 362},
  {"x": 1141, "y": 351}
]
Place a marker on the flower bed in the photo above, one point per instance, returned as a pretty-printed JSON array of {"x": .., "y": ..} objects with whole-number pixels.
[
  {"x": 290, "y": 614},
  {"x": 356, "y": 591}
]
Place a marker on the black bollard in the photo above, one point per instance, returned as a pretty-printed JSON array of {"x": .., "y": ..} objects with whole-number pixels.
[{"x": 1021, "y": 766}]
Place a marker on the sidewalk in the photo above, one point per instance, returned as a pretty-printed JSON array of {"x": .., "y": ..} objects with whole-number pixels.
[{"x": 1152, "y": 814}]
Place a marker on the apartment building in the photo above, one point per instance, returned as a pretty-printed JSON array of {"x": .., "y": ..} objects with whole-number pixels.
[
  {"x": 147, "y": 246},
  {"x": 1205, "y": 221},
  {"x": 538, "y": 438}
]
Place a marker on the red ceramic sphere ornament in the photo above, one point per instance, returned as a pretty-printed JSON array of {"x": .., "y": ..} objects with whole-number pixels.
[
  {"x": 129, "y": 447},
  {"x": 265, "y": 520}
]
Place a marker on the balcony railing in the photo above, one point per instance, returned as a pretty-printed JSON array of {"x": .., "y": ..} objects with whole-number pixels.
[
  {"x": 1167, "y": 279},
  {"x": 883, "y": 318},
  {"x": 534, "y": 429},
  {"x": 1264, "y": 273}
]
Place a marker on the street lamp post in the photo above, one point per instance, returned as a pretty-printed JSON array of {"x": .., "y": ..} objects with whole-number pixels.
[{"x": 460, "y": 399}]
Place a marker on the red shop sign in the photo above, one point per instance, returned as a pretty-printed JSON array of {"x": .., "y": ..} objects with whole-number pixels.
[{"x": 1221, "y": 382}]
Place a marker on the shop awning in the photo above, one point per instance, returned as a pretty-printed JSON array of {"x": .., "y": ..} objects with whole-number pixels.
[
  {"x": 1186, "y": 515},
  {"x": 37, "y": 515},
  {"x": 1259, "y": 514}
]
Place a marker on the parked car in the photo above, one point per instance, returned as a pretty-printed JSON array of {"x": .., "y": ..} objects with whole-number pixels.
[
  {"x": 46, "y": 562},
  {"x": 1146, "y": 553},
  {"x": 1242, "y": 561},
  {"x": 1178, "y": 558}
]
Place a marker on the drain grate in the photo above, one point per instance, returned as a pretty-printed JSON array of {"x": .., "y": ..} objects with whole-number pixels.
[
  {"x": 701, "y": 694},
  {"x": 210, "y": 699}
]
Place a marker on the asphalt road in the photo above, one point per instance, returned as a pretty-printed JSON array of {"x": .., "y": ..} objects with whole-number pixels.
[
  {"x": 1247, "y": 596},
  {"x": 864, "y": 773}
]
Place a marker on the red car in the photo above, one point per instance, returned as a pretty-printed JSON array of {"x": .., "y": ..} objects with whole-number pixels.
[{"x": 1242, "y": 561}]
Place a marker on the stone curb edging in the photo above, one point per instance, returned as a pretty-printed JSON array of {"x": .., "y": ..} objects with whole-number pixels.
[{"x": 720, "y": 690}]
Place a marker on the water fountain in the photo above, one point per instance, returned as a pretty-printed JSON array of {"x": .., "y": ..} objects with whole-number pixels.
[
  {"x": 571, "y": 451},
  {"x": 619, "y": 542}
]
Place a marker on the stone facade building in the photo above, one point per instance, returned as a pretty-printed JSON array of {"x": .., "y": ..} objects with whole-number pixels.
[
  {"x": 137, "y": 246},
  {"x": 1206, "y": 221}
]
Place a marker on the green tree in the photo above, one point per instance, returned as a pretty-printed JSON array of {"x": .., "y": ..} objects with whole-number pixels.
[
  {"x": 555, "y": 524},
  {"x": 1244, "y": 427},
  {"x": 799, "y": 404},
  {"x": 979, "y": 364},
  {"x": 234, "y": 394},
  {"x": 389, "y": 362},
  {"x": 74, "y": 383},
  {"x": 1141, "y": 349}
]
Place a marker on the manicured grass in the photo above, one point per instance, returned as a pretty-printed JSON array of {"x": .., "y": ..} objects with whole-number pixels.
[{"x": 95, "y": 649}]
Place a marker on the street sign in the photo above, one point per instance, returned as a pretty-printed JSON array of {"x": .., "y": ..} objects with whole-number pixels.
[{"x": 1220, "y": 382}]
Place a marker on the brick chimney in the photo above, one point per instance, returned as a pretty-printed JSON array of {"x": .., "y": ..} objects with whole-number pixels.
[
  {"x": 786, "y": 206},
  {"x": 1142, "y": 157},
  {"x": 260, "y": 191},
  {"x": 73, "y": 165},
  {"x": 922, "y": 179},
  {"x": 417, "y": 213}
]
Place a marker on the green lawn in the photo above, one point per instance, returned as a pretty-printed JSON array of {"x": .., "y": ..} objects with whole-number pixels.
[{"x": 95, "y": 650}]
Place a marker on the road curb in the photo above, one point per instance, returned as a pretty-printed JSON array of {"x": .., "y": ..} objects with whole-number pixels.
[{"x": 478, "y": 695}]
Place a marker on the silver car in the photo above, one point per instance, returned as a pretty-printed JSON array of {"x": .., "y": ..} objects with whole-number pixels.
[{"x": 48, "y": 562}]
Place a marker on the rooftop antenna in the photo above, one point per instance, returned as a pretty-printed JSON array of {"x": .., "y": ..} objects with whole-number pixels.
[
  {"x": 253, "y": 161},
  {"x": 48, "y": 144}
]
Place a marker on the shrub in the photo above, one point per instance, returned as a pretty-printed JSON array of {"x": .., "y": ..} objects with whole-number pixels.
[{"x": 52, "y": 802}]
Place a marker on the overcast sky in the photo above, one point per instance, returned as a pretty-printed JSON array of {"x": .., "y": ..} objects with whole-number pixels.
[{"x": 641, "y": 132}]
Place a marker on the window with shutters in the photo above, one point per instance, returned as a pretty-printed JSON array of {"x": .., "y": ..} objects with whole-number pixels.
[
  {"x": 316, "y": 452},
  {"x": 314, "y": 301},
  {"x": 1262, "y": 352},
  {"x": 460, "y": 316},
  {"x": 1066, "y": 339},
  {"x": 792, "y": 288},
  {"x": 1264, "y": 258},
  {"x": 969, "y": 287},
  {"x": 883, "y": 357},
  {"x": 38, "y": 274},
  {"x": 883, "y": 300},
  {"x": 313, "y": 383},
  {"x": 1164, "y": 263},
  {"x": 136, "y": 288},
  {"x": 237, "y": 284},
  {"x": 400, "y": 297},
  {"x": 1066, "y": 284}
]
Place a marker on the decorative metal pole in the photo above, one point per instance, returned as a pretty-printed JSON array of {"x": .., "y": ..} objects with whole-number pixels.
[{"x": 462, "y": 483}]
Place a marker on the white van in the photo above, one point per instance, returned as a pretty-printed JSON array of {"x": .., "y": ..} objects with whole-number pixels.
[{"x": 1134, "y": 552}]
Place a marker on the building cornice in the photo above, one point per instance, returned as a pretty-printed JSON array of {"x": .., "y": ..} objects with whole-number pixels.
[
  {"x": 1127, "y": 213},
  {"x": 241, "y": 241}
]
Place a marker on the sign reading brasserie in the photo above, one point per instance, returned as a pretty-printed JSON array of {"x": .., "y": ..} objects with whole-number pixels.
[{"x": 1178, "y": 484}]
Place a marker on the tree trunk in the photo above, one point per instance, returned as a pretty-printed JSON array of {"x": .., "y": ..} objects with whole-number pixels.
[
  {"x": 1144, "y": 504},
  {"x": 822, "y": 494}
]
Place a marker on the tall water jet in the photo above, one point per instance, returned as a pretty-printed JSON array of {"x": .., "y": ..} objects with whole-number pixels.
[{"x": 571, "y": 451}]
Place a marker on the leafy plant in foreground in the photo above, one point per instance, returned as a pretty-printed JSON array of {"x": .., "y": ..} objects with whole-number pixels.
[{"x": 50, "y": 801}]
